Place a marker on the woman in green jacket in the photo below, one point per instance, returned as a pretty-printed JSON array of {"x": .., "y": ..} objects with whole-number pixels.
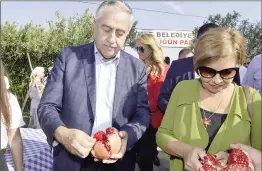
[{"x": 210, "y": 113}]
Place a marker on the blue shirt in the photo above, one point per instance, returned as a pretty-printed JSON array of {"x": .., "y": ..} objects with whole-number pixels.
[{"x": 253, "y": 75}]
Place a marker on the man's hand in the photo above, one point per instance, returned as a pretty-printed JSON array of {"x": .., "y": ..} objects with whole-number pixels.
[
  {"x": 75, "y": 141},
  {"x": 114, "y": 157}
]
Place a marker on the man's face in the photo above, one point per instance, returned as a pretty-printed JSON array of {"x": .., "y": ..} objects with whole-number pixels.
[{"x": 111, "y": 30}]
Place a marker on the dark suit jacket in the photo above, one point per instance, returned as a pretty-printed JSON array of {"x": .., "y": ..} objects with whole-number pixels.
[
  {"x": 181, "y": 69},
  {"x": 69, "y": 99}
]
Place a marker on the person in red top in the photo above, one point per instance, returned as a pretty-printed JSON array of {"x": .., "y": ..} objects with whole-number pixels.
[{"x": 150, "y": 52}]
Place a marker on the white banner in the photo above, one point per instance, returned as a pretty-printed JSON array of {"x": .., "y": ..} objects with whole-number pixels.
[{"x": 172, "y": 38}]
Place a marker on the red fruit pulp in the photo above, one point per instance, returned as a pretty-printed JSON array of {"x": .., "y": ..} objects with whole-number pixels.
[
  {"x": 100, "y": 136},
  {"x": 110, "y": 131},
  {"x": 237, "y": 156},
  {"x": 107, "y": 146},
  {"x": 207, "y": 167},
  {"x": 237, "y": 161},
  {"x": 211, "y": 164},
  {"x": 238, "y": 167}
]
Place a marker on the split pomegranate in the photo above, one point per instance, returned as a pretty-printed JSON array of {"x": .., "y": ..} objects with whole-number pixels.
[
  {"x": 114, "y": 140},
  {"x": 211, "y": 164},
  {"x": 238, "y": 160},
  {"x": 107, "y": 143}
]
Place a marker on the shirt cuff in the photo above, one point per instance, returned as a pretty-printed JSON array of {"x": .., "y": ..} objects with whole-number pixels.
[{"x": 55, "y": 143}]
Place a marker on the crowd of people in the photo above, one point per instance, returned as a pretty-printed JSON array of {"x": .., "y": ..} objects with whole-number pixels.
[{"x": 196, "y": 104}]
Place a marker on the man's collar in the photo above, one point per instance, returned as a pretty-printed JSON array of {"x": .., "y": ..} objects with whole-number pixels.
[{"x": 117, "y": 57}]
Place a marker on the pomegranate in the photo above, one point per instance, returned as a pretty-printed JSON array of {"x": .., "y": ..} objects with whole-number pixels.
[
  {"x": 238, "y": 160},
  {"x": 107, "y": 143},
  {"x": 211, "y": 163},
  {"x": 114, "y": 140}
]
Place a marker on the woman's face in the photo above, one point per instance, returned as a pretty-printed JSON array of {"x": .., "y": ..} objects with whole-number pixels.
[
  {"x": 217, "y": 75},
  {"x": 143, "y": 51}
]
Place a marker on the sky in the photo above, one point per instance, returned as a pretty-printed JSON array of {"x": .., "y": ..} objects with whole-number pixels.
[{"x": 39, "y": 12}]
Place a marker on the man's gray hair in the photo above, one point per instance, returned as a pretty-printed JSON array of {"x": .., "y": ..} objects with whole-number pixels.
[{"x": 116, "y": 4}]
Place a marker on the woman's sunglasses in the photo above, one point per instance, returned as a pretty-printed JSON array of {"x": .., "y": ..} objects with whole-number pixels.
[
  {"x": 140, "y": 49},
  {"x": 207, "y": 72}
]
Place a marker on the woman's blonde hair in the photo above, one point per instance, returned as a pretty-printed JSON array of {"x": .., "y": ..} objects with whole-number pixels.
[
  {"x": 4, "y": 108},
  {"x": 219, "y": 43},
  {"x": 155, "y": 64}
]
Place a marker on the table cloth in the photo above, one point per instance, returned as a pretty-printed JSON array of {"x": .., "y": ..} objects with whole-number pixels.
[{"x": 37, "y": 153}]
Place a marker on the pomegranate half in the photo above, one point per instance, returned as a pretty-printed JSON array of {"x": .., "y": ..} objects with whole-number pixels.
[
  {"x": 238, "y": 160},
  {"x": 107, "y": 143}
]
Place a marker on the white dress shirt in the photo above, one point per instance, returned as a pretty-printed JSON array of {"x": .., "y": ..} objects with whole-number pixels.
[{"x": 105, "y": 91}]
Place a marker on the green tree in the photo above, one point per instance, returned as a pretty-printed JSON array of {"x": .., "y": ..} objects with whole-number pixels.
[
  {"x": 251, "y": 31},
  {"x": 41, "y": 45},
  {"x": 130, "y": 40}
]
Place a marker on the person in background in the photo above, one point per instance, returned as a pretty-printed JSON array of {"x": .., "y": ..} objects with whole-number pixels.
[
  {"x": 185, "y": 53},
  {"x": 92, "y": 87},
  {"x": 36, "y": 88},
  {"x": 207, "y": 114},
  {"x": 7, "y": 83},
  {"x": 47, "y": 74},
  {"x": 253, "y": 75},
  {"x": 179, "y": 70},
  {"x": 246, "y": 64},
  {"x": 150, "y": 52},
  {"x": 182, "y": 69},
  {"x": 167, "y": 60},
  {"x": 242, "y": 73},
  {"x": 11, "y": 121},
  {"x": 49, "y": 69}
]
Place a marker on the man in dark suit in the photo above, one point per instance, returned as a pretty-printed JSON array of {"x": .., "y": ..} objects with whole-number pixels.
[
  {"x": 182, "y": 69},
  {"x": 92, "y": 87}
]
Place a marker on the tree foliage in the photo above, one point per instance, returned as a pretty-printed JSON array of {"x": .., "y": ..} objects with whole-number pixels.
[
  {"x": 251, "y": 31},
  {"x": 41, "y": 45},
  {"x": 130, "y": 41}
]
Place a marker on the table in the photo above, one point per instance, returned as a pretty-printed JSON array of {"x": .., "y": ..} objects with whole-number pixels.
[{"x": 37, "y": 153}]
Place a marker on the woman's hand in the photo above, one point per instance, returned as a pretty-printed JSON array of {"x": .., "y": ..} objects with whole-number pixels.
[
  {"x": 222, "y": 157},
  {"x": 191, "y": 156}
]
